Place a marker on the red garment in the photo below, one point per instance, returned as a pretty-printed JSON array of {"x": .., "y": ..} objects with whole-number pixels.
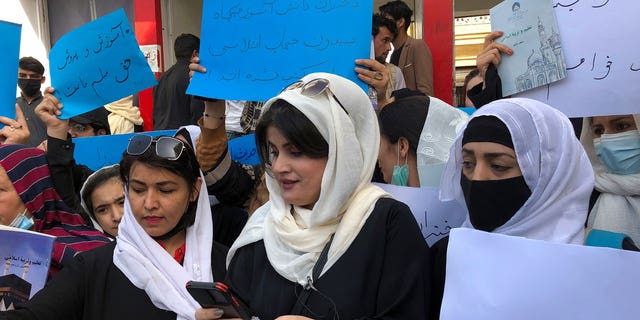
[
  {"x": 178, "y": 255},
  {"x": 28, "y": 171}
]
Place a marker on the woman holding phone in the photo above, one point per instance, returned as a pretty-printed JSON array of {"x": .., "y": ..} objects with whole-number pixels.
[{"x": 165, "y": 239}]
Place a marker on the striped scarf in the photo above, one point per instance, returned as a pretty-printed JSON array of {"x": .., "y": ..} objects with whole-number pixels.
[{"x": 28, "y": 171}]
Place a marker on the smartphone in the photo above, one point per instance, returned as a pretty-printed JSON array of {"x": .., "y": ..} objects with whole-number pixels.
[{"x": 217, "y": 295}]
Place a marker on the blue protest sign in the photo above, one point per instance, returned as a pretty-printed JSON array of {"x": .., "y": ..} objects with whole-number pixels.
[
  {"x": 10, "y": 48},
  {"x": 98, "y": 63},
  {"x": 100, "y": 151},
  {"x": 243, "y": 150},
  {"x": 252, "y": 48}
]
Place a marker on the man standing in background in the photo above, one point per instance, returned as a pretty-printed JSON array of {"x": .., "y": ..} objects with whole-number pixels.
[
  {"x": 412, "y": 56},
  {"x": 30, "y": 79},
  {"x": 172, "y": 106}
]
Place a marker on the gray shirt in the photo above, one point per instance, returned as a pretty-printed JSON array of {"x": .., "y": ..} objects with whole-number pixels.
[{"x": 37, "y": 128}]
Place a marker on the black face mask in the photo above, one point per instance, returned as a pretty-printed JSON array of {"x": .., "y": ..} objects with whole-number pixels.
[
  {"x": 491, "y": 203},
  {"x": 29, "y": 86}
]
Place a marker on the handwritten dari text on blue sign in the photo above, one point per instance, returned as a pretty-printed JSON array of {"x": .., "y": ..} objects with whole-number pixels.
[
  {"x": 254, "y": 48},
  {"x": 98, "y": 63}
]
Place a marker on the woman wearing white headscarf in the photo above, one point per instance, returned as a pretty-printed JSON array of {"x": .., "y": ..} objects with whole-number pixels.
[
  {"x": 328, "y": 243},
  {"x": 613, "y": 146},
  {"x": 521, "y": 172},
  {"x": 165, "y": 239},
  {"x": 416, "y": 134}
]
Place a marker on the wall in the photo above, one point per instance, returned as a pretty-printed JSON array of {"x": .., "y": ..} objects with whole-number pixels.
[
  {"x": 35, "y": 32},
  {"x": 184, "y": 16}
]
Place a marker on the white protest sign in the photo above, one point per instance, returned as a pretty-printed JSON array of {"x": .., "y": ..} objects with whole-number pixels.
[
  {"x": 435, "y": 218},
  {"x": 602, "y": 58},
  {"x": 494, "y": 276}
]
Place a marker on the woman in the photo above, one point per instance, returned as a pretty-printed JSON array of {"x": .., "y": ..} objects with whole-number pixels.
[
  {"x": 521, "y": 172},
  {"x": 613, "y": 146},
  {"x": 415, "y": 136},
  {"x": 29, "y": 201},
  {"x": 164, "y": 241},
  {"x": 102, "y": 197},
  {"x": 472, "y": 79},
  {"x": 328, "y": 244}
]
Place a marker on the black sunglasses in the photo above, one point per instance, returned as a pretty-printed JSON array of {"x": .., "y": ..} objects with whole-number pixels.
[
  {"x": 313, "y": 88},
  {"x": 166, "y": 147}
]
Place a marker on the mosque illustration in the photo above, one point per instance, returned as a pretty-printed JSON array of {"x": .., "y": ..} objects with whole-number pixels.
[
  {"x": 13, "y": 289},
  {"x": 545, "y": 66}
]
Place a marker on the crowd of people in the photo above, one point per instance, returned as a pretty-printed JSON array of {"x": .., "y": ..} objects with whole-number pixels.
[{"x": 307, "y": 234}]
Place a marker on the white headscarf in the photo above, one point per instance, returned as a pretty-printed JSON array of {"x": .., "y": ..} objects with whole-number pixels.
[
  {"x": 347, "y": 197},
  {"x": 618, "y": 206},
  {"x": 438, "y": 133},
  {"x": 149, "y": 267},
  {"x": 95, "y": 175},
  {"x": 553, "y": 163}
]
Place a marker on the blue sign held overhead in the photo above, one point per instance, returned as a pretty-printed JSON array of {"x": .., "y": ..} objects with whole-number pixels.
[
  {"x": 98, "y": 63},
  {"x": 100, "y": 151},
  {"x": 252, "y": 49},
  {"x": 10, "y": 48}
]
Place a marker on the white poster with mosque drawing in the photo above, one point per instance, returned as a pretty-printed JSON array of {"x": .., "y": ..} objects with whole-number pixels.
[
  {"x": 531, "y": 30},
  {"x": 25, "y": 257}
]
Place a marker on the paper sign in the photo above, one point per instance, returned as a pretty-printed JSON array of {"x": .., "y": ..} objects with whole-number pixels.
[
  {"x": 244, "y": 150},
  {"x": 498, "y": 277},
  {"x": 10, "y": 48},
  {"x": 253, "y": 49},
  {"x": 152, "y": 53},
  {"x": 26, "y": 254},
  {"x": 603, "y": 62},
  {"x": 435, "y": 218},
  {"x": 98, "y": 63},
  {"x": 531, "y": 30},
  {"x": 100, "y": 151}
]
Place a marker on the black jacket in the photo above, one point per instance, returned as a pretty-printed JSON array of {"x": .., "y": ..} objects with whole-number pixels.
[
  {"x": 384, "y": 274},
  {"x": 93, "y": 288}
]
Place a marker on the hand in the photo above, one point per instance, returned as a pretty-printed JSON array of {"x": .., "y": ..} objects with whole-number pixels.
[
  {"x": 491, "y": 52},
  {"x": 14, "y": 131},
  {"x": 195, "y": 66},
  {"x": 48, "y": 111},
  {"x": 293, "y": 318},
  {"x": 377, "y": 75},
  {"x": 44, "y": 145},
  {"x": 211, "y": 313}
]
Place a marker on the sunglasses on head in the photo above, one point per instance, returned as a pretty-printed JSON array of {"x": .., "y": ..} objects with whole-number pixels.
[
  {"x": 313, "y": 88},
  {"x": 166, "y": 147}
]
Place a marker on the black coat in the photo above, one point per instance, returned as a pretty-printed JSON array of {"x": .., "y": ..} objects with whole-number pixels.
[
  {"x": 93, "y": 288},
  {"x": 384, "y": 274}
]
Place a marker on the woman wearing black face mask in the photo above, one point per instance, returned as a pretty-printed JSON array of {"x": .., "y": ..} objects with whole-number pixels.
[{"x": 521, "y": 171}]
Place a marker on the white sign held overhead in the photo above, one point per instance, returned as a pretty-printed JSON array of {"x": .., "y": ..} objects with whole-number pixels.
[{"x": 602, "y": 58}]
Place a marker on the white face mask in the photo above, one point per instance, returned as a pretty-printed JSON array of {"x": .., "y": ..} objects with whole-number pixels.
[{"x": 22, "y": 222}]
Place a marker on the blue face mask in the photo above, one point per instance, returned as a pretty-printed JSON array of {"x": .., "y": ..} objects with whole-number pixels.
[
  {"x": 22, "y": 222},
  {"x": 400, "y": 176},
  {"x": 619, "y": 152}
]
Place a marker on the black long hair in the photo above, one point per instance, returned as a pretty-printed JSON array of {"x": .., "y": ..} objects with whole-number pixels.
[{"x": 404, "y": 118}]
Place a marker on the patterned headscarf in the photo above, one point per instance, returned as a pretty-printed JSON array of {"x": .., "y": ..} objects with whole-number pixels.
[{"x": 28, "y": 171}]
